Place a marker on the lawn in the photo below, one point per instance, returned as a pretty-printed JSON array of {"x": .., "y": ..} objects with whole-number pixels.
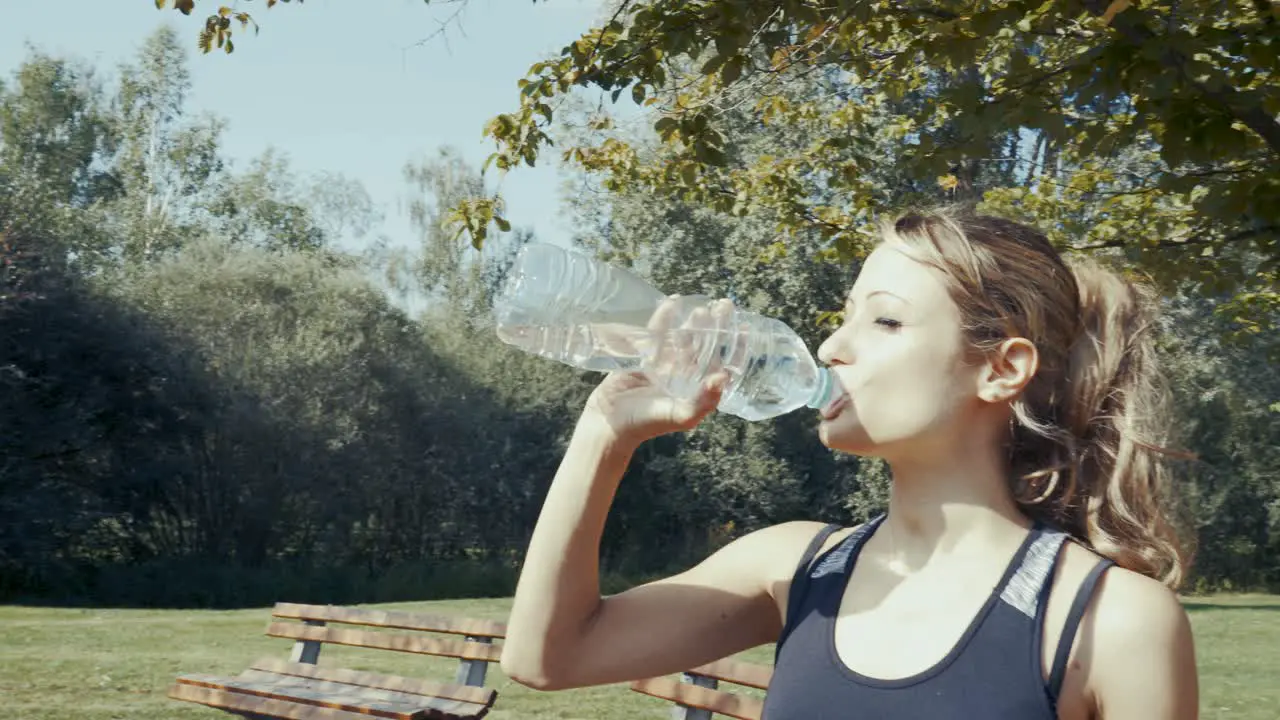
[{"x": 58, "y": 663}]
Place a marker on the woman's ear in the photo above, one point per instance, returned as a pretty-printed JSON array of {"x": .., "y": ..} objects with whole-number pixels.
[{"x": 1008, "y": 370}]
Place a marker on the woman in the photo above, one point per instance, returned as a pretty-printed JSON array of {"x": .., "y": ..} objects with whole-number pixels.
[{"x": 1024, "y": 567}]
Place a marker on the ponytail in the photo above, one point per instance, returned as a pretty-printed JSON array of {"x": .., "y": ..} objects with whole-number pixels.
[{"x": 1092, "y": 459}]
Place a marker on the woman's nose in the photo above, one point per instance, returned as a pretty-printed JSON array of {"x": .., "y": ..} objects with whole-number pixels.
[{"x": 829, "y": 351}]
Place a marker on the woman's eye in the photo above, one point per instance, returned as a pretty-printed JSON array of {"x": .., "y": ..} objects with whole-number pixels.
[{"x": 888, "y": 323}]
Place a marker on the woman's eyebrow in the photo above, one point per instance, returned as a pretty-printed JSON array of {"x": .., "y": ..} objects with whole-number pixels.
[{"x": 849, "y": 300}]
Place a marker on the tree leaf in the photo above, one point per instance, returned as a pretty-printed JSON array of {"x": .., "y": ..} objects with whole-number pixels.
[{"x": 714, "y": 64}]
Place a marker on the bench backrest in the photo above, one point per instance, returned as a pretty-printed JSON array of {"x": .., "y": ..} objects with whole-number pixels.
[
  {"x": 475, "y": 650},
  {"x": 698, "y": 695}
]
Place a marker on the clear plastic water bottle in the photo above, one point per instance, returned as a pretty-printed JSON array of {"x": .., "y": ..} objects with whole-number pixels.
[{"x": 569, "y": 307}]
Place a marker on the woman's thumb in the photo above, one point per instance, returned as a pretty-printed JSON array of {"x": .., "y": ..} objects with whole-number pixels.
[{"x": 712, "y": 391}]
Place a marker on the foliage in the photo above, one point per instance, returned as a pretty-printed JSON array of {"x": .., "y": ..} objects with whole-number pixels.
[
  {"x": 1159, "y": 118},
  {"x": 203, "y": 384},
  {"x": 218, "y": 28},
  {"x": 193, "y": 373},
  {"x": 52, "y": 129},
  {"x": 729, "y": 475},
  {"x": 1069, "y": 94},
  {"x": 1225, "y": 398},
  {"x": 1224, "y": 391},
  {"x": 164, "y": 164}
]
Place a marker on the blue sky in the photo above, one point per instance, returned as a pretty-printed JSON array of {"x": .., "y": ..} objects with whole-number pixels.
[{"x": 342, "y": 90}]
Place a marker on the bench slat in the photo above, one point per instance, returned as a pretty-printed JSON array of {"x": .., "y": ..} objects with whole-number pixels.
[
  {"x": 735, "y": 706},
  {"x": 359, "y": 696},
  {"x": 756, "y": 676},
  {"x": 379, "y": 703},
  {"x": 320, "y": 694},
  {"x": 253, "y": 704},
  {"x": 441, "y": 707},
  {"x": 450, "y": 691},
  {"x": 387, "y": 641},
  {"x": 392, "y": 619}
]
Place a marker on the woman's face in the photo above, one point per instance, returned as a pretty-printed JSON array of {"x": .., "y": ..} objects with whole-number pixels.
[{"x": 900, "y": 357}]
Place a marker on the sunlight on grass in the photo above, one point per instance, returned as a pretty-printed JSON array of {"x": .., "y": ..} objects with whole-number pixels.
[{"x": 57, "y": 663}]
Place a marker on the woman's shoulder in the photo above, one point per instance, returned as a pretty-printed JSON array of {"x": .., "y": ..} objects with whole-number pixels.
[
  {"x": 797, "y": 534},
  {"x": 1131, "y": 607},
  {"x": 787, "y": 541},
  {"x": 1122, "y": 597},
  {"x": 1120, "y": 591},
  {"x": 782, "y": 547},
  {"x": 779, "y": 548},
  {"x": 1135, "y": 628}
]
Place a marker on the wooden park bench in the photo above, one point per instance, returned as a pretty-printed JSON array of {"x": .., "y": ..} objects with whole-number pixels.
[
  {"x": 697, "y": 694},
  {"x": 300, "y": 689}
]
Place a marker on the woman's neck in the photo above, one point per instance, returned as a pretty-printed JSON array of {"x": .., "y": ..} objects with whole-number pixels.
[{"x": 951, "y": 503}]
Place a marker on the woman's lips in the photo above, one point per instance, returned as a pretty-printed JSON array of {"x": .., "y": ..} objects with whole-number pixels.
[{"x": 835, "y": 407}]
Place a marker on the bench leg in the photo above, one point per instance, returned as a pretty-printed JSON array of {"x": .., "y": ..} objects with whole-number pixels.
[
  {"x": 307, "y": 651},
  {"x": 472, "y": 672},
  {"x": 684, "y": 712}
]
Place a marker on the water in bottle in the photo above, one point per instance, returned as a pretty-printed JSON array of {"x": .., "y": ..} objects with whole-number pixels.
[{"x": 569, "y": 307}]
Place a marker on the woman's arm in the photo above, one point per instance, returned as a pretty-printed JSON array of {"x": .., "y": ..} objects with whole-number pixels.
[{"x": 563, "y": 634}]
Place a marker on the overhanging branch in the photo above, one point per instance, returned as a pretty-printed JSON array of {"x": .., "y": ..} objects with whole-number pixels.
[
  {"x": 1252, "y": 115},
  {"x": 1201, "y": 239}
]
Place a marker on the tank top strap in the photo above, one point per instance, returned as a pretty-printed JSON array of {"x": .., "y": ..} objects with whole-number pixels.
[
  {"x": 1026, "y": 587},
  {"x": 1079, "y": 604},
  {"x": 812, "y": 567},
  {"x": 806, "y": 559},
  {"x": 840, "y": 559}
]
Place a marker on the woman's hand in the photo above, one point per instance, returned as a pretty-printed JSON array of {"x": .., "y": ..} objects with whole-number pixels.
[{"x": 633, "y": 409}]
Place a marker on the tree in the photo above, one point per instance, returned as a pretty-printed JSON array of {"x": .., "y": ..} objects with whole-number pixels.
[
  {"x": 264, "y": 207},
  {"x": 729, "y": 476},
  {"x": 341, "y": 206},
  {"x": 773, "y": 134},
  {"x": 1069, "y": 92},
  {"x": 190, "y": 371},
  {"x": 747, "y": 475},
  {"x": 165, "y": 163},
  {"x": 524, "y": 408},
  {"x": 53, "y": 131},
  {"x": 1094, "y": 77}
]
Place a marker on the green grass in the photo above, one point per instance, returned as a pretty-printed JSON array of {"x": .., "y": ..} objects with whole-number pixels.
[{"x": 58, "y": 663}]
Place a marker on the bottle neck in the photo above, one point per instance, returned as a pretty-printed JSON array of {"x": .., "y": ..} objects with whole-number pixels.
[{"x": 822, "y": 391}]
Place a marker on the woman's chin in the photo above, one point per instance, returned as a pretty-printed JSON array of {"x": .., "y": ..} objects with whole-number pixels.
[{"x": 843, "y": 436}]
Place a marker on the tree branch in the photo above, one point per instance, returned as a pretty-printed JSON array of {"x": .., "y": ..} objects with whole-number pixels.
[{"x": 1202, "y": 239}]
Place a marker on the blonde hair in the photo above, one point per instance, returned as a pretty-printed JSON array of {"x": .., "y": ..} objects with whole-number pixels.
[{"x": 1087, "y": 446}]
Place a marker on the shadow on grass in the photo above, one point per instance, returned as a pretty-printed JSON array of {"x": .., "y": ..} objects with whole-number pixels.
[{"x": 1199, "y": 606}]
